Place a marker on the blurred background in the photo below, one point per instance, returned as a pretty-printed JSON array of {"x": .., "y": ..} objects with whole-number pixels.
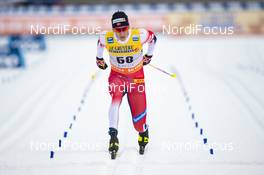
[
  {"x": 50, "y": 84},
  {"x": 19, "y": 17}
]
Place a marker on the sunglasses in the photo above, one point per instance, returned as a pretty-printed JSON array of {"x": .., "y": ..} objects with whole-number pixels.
[{"x": 123, "y": 29}]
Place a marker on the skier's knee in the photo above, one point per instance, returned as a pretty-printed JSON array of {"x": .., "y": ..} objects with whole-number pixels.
[{"x": 117, "y": 97}]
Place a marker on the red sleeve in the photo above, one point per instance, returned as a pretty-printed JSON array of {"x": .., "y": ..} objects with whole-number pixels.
[
  {"x": 99, "y": 43},
  {"x": 149, "y": 37}
]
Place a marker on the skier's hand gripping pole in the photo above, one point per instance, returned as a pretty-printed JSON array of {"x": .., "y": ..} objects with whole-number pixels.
[{"x": 161, "y": 70}]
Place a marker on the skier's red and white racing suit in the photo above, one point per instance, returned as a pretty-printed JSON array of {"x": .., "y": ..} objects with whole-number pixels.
[{"x": 127, "y": 75}]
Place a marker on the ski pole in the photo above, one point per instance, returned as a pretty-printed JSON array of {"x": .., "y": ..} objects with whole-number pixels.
[{"x": 161, "y": 70}]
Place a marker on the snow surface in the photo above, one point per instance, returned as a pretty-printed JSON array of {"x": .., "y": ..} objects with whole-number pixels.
[{"x": 219, "y": 80}]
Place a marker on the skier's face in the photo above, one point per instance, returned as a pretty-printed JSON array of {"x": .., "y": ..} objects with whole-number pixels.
[{"x": 122, "y": 33}]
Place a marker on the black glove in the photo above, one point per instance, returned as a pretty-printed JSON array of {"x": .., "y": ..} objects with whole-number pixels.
[
  {"x": 146, "y": 59},
  {"x": 101, "y": 63}
]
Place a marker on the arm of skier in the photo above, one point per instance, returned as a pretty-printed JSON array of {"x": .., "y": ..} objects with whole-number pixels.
[
  {"x": 100, "y": 51},
  {"x": 150, "y": 38}
]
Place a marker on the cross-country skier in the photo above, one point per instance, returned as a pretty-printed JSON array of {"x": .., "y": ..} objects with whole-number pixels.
[{"x": 125, "y": 48}]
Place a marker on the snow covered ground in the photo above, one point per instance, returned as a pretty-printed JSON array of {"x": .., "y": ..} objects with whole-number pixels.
[{"x": 222, "y": 82}]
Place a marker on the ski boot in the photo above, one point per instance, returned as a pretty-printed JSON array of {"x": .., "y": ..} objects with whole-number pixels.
[
  {"x": 113, "y": 143},
  {"x": 143, "y": 141}
]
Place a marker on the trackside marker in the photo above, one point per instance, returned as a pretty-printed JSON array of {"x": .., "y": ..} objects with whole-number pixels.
[
  {"x": 190, "y": 108},
  {"x": 211, "y": 151},
  {"x": 205, "y": 140},
  {"x": 65, "y": 134},
  {"x": 201, "y": 131},
  {"x": 82, "y": 101},
  {"x": 51, "y": 154}
]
